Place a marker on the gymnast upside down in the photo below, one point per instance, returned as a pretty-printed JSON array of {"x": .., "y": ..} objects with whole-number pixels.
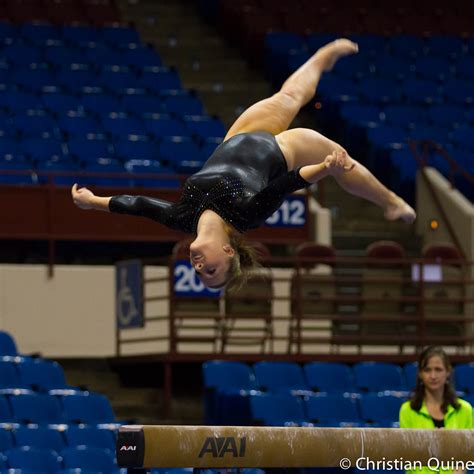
[{"x": 248, "y": 176}]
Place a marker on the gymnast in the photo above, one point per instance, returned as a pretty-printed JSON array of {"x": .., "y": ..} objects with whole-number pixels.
[{"x": 248, "y": 176}]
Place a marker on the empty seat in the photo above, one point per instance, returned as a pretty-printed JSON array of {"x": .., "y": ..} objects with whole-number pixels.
[
  {"x": 141, "y": 104},
  {"x": 117, "y": 78},
  {"x": 446, "y": 115},
  {"x": 95, "y": 101},
  {"x": 431, "y": 68},
  {"x": 464, "y": 377},
  {"x": 160, "y": 125},
  {"x": 404, "y": 115},
  {"x": 380, "y": 409},
  {"x": 40, "y": 437},
  {"x": 329, "y": 377},
  {"x": 41, "y": 149},
  {"x": 32, "y": 459},
  {"x": 445, "y": 46},
  {"x": 41, "y": 374},
  {"x": 279, "y": 376},
  {"x": 459, "y": 91},
  {"x": 145, "y": 167},
  {"x": 6, "y": 414},
  {"x": 60, "y": 55},
  {"x": 79, "y": 34},
  {"x": 6, "y": 440},
  {"x": 37, "y": 408},
  {"x": 74, "y": 77},
  {"x": 60, "y": 103},
  {"x": 89, "y": 436},
  {"x": 420, "y": 91},
  {"x": 183, "y": 105},
  {"x": 176, "y": 149},
  {"x": 205, "y": 126},
  {"x": 277, "y": 409},
  {"x": 379, "y": 90},
  {"x": 16, "y": 101},
  {"x": 32, "y": 79},
  {"x": 140, "y": 56},
  {"x": 136, "y": 148},
  {"x": 334, "y": 408},
  {"x": 410, "y": 371},
  {"x": 88, "y": 458},
  {"x": 77, "y": 124},
  {"x": 121, "y": 125},
  {"x": 9, "y": 376},
  {"x": 34, "y": 123},
  {"x": 89, "y": 148},
  {"x": 406, "y": 46},
  {"x": 120, "y": 35},
  {"x": 378, "y": 376},
  {"x": 89, "y": 409},
  {"x": 157, "y": 79}
]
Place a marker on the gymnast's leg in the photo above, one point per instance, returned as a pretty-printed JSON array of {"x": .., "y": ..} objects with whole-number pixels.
[
  {"x": 302, "y": 146},
  {"x": 275, "y": 113}
]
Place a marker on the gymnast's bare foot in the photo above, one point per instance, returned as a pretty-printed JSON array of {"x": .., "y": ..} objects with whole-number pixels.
[
  {"x": 399, "y": 209},
  {"x": 330, "y": 53}
]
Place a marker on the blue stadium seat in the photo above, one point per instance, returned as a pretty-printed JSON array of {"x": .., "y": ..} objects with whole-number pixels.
[
  {"x": 60, "y": 55},
  {"x": 402, "y": 172},
  {"x": 60, "y": 103},
  {"x": 9, "y": 375},
  {"x": 446, "y": 115},
  {"x": 227, "y": 385},
  {"x": 41, "y": 374},
  {"x": 404, "y": 115},
  {"x": 117, "y": 78},
  {"x": 354, "y": 67},
  {"x": 407, "y": 46},
  {"x": 410, "y": 370},
  {"x": 7, "y": 344},
  {"x": 464, "y": 377},
  {"x": 386, "y": 137},
  {"x": 6, "y": 414},
  {"x": 329, "y": 377},
  {"x": 176, "y": 149},
  {"x": 17, "y": 101},
  {"x": 283, "y": 41},
  {"x": 8, "y": 31},
  {"x": 463, "y": 137},
  {"x": 465, "y": 68},
  {"x": 96, "y": 101},
  {"x": 316, "y": 40},
  {"x": 34, "y": 123},
  {"x": 379, "y": 90},
  {"x": 277, "y": 409},
  {"x": 31, "y": 459},
  {"x": 100, "y": 53},
  {"x": 40, "y": 437},
  {"x": 431, "y": 68},
  {"x": 136, "y": 148},
  {"x": 74, "y": 77},
  {"x": 438, "y": 134},
  {"x": 324, "y": 407},
  {"x": 33, "y": 79},
  {"x": 279, "y": 376},
  {"x": 121, "y": 125},
  {"x": 209, "y": 146},
  {"x": 36, "y": 408},
  {"x": 89, "y": 459},
  {"x": 89, "y": 148},
  {"x": 80, "y": 34},
  {"x": 162, "y": 125},
  {"x": 107, "y": 166},
  {"x": 17, "y": 164},
  {"x": 39, "y": 33},
  {"x": 338, "y": 90},
  {"x": 378, "y": 376},
  {"x": 459, "y": 91},
  {"x": 77, "y": 124},
  {"x": 445, "y": 46},
  {"x": 88, "y": 409},
  {"x": 140, "y": 103},
  {"x": 157, "y": 79},
  {"x": 369, "y": 44},
  {"x": 391, "y": 67},
  {"x": 140, "y": 56},
  {"x": 181, "y": 104},
  {"x": 119, "y": 35},
  {"x": 205, "y": 126},
  {"x": 360, "y": 114},
  {"x": 90, "y": 436},
  {"x": 41, "y": 149},
  {"x": 6, "y": 440},
  {"x": 152, "y": 166},
  {"x": 380, "y": 409},
  {"x": 418, "y": 91},
  {"x": 22, "y": 54}
]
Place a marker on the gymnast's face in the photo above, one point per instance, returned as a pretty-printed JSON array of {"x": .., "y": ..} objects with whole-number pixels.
[
  {"x": 434, "y": 374},
  {"x": 211, "y": 261}
]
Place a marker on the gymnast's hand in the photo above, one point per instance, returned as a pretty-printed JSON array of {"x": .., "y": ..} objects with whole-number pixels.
[
  {"x": 338, "y": 162},
  {"x": 83, "y": 197}
]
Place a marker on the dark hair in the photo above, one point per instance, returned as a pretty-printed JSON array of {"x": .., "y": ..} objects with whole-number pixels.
[
  {"x": 244, "y": 260},
  {"x": 449, "y": 395}
]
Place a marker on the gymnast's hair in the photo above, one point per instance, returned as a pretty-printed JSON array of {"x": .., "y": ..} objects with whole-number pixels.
[{"x": 243, "y": 262}]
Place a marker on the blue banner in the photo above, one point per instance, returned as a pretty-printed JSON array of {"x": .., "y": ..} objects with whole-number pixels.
[
  {"x": 187, "y": 283},
  {"x": 129, "y": 294},
  {"x": 292, "y": 213}
]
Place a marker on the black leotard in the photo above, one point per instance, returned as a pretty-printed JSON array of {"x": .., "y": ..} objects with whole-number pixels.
[{"x": 245, "y": 181}]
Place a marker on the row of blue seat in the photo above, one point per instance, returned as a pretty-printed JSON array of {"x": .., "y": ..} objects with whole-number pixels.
[
  {"x": 56, "y": 438},
  {"x": 38, "y": 33},
  {"x": 38, "y": 123},
  {"x": 321, "y": 376},
  {"x": 405, "y": 46},
  {"x": 70, "y": 406}
]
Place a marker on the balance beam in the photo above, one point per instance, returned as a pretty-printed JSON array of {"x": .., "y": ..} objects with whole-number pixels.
[{"x": 246, "y": 446}]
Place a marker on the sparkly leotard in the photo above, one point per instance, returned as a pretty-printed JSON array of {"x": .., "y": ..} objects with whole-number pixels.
[{"x": 245, "y": 181}]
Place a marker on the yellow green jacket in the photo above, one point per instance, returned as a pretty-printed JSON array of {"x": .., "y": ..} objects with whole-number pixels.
[{"x": 453, "y": 419}]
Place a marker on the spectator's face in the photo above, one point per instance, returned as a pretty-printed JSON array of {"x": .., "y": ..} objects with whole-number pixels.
[{"x": 434, "y": 374}]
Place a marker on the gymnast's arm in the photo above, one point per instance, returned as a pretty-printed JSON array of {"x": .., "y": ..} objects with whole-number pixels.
[{"x": 156, "y": 209}]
